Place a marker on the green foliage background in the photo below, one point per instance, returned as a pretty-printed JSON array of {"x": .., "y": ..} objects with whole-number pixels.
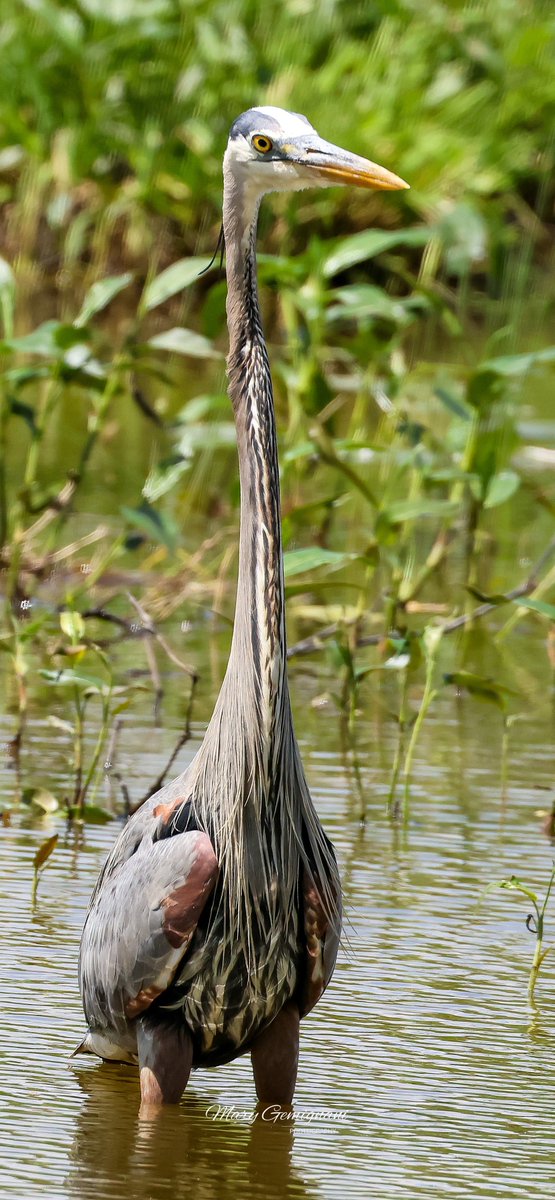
[
  {"x": 411, "y": 334},
  {"x": 113, "y": 117}
]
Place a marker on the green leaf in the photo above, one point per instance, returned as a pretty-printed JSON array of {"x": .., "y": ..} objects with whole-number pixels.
[
  {"x": 164, "y": 476},
  {"x": 362, "y": 246},
  {"x": 41, "y": 341},
  {"x": 361, "y": 300},
  {"x": 160, "y": 528},
  {"x": 411, "y": 510},
  {"x": 539, "y": 606},
  {"x": 100, "y": 295},
  {"x": 19, "y": 377},
  {"x": 181, "y": 273},
  {"x": 513, "y": 365},
  {"x": 483, "y": 688},
  {"x": 310, "y": 558},
  {"x": 95, "y": 815},
  {"x": 341, "y": 656},
  {"x": 69, "y": 678},
  {"x": 44, "y": 851},
  {"x": 515, "y": 885},
  {"x": 73, "y": 625},
  {"x": 40, "y": 798},
  {"x": 184, "y": 341},
  {"x": 483, "y": 389},
  {"x": 501, "y": 487}
]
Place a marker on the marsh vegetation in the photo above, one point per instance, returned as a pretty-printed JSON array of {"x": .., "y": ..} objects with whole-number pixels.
[{"x": 413, "y": 356}]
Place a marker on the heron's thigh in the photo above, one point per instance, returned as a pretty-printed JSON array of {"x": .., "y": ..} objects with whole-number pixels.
[{"x": 275, "y": 1057}]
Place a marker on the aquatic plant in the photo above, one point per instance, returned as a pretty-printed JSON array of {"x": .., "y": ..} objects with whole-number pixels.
[{"x": 535, "y": 923}]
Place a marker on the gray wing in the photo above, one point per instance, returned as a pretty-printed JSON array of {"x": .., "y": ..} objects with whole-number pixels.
[{"x": 142, "y": 918}]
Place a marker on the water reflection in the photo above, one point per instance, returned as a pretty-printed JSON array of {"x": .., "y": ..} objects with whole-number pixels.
[{"x": 182, "y": 1153}]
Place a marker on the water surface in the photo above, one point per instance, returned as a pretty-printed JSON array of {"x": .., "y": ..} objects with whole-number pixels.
[{"x": 430, "y": 1073}]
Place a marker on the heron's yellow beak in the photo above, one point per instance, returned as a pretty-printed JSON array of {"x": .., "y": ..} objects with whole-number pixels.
[
  {"x": 364, "y": 174},
  {"x": 329, "y": 164}
]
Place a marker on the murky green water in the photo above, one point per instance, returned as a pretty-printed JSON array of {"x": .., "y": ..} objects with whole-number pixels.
[{"x": 430, "y": 1075}]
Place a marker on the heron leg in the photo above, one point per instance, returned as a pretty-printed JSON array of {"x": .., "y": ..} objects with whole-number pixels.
[
  {"x": 165, "y": 1059},
  {"x": 275, "y": 1057}
]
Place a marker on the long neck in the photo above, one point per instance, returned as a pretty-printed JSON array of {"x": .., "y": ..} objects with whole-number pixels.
[
  {"x": 255, "y": 683},
  {"x": 247, "y": 781}
]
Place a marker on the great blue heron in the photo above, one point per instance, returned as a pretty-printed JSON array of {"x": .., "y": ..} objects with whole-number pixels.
[{"x": 215, "y": 922}]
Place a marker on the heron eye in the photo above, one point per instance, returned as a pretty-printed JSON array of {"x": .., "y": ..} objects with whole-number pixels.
[{"x": 262, "y": 143}]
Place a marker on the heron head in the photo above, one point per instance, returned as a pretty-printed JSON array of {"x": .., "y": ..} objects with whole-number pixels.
[{"x": 272, "y": 150}]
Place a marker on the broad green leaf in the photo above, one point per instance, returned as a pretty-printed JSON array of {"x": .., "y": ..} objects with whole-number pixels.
[
  {"x": 180, "y": 275},
  {"x": 362, "y": 246},
  {"x": 365, "y": 300},
  {"x": 100, "y": 295},
  {"x": 501, "y": 487},
  {"x": 184, "y": 341},
  {"x": 44, "y": 851},
  {"x": 310, "y": 558}
]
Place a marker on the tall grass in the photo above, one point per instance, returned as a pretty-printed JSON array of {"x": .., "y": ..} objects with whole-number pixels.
[{"x": 410, "y": 344}]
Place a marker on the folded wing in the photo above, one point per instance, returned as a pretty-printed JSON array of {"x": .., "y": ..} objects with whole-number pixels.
[{"x": 140, "y": 924}]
